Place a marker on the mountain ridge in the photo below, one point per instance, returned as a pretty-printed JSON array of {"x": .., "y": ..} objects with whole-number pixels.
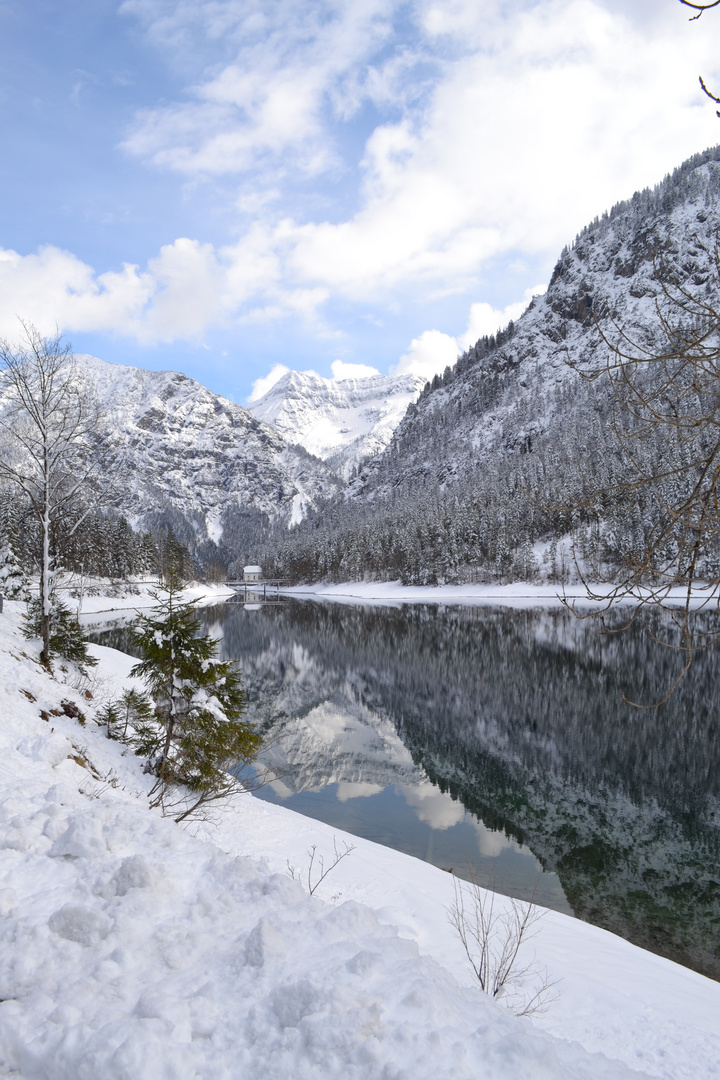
[
  {"x": 341, "y": 421},
  {"x": 197, "y": 462}
]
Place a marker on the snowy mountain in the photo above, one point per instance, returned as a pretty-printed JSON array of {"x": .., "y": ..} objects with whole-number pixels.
[
  {"x": 342, "y": 421},
  {"x": 197, "y": 459},
  {"x": 482, "y": 471}
]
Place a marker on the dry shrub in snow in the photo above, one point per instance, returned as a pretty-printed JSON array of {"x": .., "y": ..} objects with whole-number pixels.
[
  {"x": 316, "y": 870},
  {"x": 494, "y": 931}
]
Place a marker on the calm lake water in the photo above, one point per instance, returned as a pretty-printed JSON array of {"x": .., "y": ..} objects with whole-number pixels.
[{"x": 497, "y": 743}]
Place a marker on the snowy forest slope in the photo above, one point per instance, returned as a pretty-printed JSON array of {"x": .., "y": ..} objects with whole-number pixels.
[{"x": 482, "y": 473}]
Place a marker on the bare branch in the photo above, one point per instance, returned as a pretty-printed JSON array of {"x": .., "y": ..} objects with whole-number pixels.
[
  {"x": 700, "y": 8},
  {"x": 316, "y": 871}
]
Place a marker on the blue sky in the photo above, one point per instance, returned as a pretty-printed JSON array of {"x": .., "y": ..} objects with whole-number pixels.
[{"x": 230, "y": 187}]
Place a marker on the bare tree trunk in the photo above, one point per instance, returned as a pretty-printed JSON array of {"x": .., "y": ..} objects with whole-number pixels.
[{"x": 45, "y": 561}]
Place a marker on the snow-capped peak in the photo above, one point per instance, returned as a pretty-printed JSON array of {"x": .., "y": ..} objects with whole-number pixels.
[{"x": 342, "y": 421}]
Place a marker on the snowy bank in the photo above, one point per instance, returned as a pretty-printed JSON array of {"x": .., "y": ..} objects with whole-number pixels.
[
  {"x": 101, "y": 596},
  {"x": 133, "y": 949},
  {"x": 519, "y": 594}
]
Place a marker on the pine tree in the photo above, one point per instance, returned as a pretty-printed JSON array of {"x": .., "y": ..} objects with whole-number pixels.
[
  {"x": 13, "y": 580},
  {"x": 198, "y": 705},
  {"x": 65, "y": 638}
]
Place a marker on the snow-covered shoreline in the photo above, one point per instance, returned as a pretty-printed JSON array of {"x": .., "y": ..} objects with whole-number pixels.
[
  {"x": 102, "y": 598},
  {"x": 133, "y": 948},
  {"x": 518, "y": 594}
]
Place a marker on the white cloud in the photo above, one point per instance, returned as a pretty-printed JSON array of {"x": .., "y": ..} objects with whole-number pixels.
[
  {"x": 428, "y": 354},
  {"x": 185, "y": 289},
  {"x": 266, "y": 382},
  {"x": 501, "y": 128},
  {"x": 431, "y": 352},
  {"x": 342, "y": 370},
  {"x": 437, "y": 809},
  {"x": 54, "y": 288},
  {"x": 510, "y": 155},
  {"x": 275, "y": 71},
  {"x": 488, "y": 131},
  {"x": 485, "y": 319}
]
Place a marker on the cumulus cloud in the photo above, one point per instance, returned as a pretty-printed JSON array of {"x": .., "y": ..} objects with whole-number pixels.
[
  {"x": 184, "y": 289},
  {"x": 434, "y": 807},
  {"x": 432, "y": 351},
  {"x": 261, "y": 386},
  {"x": 498, "y": 130},
  {"x": 54, "y": 288},
  {"x": 485, "y": 319},
  {"x": 342, "y": 370},
  {"x": 460, "y": 132},
  {"x": 428, "y": 354}
]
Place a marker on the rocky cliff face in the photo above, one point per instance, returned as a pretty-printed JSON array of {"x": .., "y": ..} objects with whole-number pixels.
[
  {"x": 188, "y": 453},
  {"x": 342, "y": 421}
]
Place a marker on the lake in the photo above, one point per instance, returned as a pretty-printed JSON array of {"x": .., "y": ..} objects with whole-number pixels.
[{"x": 496, "y": 743}]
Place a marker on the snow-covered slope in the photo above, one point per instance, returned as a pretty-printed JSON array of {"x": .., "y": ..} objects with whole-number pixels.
[
  {"x": 342, "y": 421},
  {"x": 131, "y": 949},
  {"x": 490, "y": 459},
  {"x": 521, "y": 396},
  {"x": 184, "y": 447}
]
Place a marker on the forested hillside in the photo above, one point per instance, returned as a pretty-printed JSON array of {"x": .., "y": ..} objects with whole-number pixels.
[
  {"x": 180, "y": 458},
  {"x": 510, "y": 459}
]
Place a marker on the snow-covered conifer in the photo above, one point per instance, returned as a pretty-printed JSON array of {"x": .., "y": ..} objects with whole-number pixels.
[{"x": 199, "y": 702}]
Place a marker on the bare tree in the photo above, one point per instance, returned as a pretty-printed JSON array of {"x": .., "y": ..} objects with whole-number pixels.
[
  {"x": 49, "y": 422},
  {"x": 665, "y": 383},
  {"x": 699, "y": 9}
]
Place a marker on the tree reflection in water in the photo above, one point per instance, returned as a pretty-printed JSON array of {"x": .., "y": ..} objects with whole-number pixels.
[{"x": 518, "y": 717}]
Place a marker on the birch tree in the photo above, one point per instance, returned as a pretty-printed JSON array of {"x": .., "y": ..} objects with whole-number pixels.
[{"x": 49, "y": 423}]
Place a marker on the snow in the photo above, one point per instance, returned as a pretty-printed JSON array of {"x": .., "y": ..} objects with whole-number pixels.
[
  {"x": 100, "y": 596},
  {"x": 341, "y": 421},
  {"x": 519, "y": 594},
  {"x": 134, "y": 949},
  {"x": 178, "y": 445}
]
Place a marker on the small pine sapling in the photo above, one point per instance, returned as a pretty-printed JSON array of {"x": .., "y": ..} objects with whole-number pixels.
[
  {"x": 129, "y": 719},
  {"x": 66, "y": 638},
  {"x": 198, "y": 733}
]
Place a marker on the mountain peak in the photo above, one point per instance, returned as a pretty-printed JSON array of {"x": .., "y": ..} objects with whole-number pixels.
[{"x": 341, "y": 421}]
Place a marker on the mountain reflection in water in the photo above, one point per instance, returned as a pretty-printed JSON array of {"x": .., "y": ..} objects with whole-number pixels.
[
  {"x": 508, "y": 728},
  {"x": 500, "y": 737}
]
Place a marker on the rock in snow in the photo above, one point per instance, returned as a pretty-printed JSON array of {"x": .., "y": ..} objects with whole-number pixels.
[{"x": 134, "y": 949}]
